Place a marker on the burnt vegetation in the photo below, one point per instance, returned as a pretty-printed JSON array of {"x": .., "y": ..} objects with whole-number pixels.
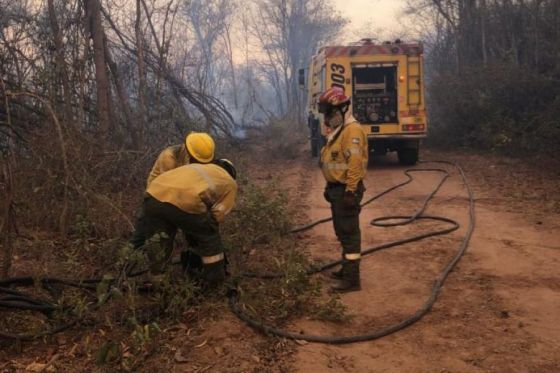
[{"x": 92, "y": 90}]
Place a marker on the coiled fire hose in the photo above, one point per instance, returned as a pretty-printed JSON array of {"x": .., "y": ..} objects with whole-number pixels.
[
  {"x": 10, "y": 298},
  {"x": 386, "y": 221}
]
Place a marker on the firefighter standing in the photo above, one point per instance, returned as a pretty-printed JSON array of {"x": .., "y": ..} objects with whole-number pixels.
[{"x": 344, "y": 162}]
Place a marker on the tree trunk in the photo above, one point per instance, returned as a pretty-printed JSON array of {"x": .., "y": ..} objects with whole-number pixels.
[
  {"x": 141, "y": 72},
  {"x": 61, "y": 70},
  {"x": 536, "y": 38},
  {"x": 7, "y": 220},
  {"x": 483, "y": 32},
  {"x": 7, "y": 217},
  {"x": 93, "y": 12},
  {"x": 556, "y": 26},
  {"x": 123, "y": 99},
  {"x": 232, "y": 67}
]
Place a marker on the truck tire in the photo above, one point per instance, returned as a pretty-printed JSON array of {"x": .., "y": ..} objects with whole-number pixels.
[
  {"x": 408, "y": 156},
  {"x": 315, "y": 136},
  {"x": 322, "y": 141},
  {"x": 371, "y": 152},
  {"x": 314, "y": 147}
]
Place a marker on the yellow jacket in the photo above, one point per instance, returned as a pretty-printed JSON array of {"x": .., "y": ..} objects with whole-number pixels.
[
  {"x": 170, "y": 158},
  {"x": 196, "y": 188},
  {"x": 345, "y": 156}
]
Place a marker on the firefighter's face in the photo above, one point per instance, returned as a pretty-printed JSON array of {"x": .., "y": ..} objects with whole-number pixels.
[{"x": 334, "y": 118}]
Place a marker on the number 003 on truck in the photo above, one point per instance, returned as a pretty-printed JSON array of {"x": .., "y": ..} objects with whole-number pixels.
[{"x": 386, "y": 86}]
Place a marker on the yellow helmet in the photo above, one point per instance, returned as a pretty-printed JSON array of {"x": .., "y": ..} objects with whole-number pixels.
[{"x": 200, "y": 146}]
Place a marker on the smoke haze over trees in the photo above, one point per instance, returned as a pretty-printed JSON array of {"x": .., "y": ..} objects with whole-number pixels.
[
  {"x": 92, "y": 89},
  {"x": 111, "y": 66}
]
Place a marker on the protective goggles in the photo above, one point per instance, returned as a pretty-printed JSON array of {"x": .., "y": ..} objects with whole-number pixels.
[{"x": 326, "y": 109}]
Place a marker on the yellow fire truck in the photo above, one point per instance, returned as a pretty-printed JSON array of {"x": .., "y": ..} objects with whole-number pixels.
[{"x": 385, "y": 83}]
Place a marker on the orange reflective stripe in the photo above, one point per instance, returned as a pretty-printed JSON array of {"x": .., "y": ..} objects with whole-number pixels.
[
  {"x": 213, "y": 259},
  {"x": 353, "y": 256}
]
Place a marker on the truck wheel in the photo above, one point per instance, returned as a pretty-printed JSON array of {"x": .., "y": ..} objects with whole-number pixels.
[
  {"x": 408, "y": 156},
  {"x": 371, "y": 152},
  {"x": 315, "y": 136},
  {"x": 314, "y": 147}
]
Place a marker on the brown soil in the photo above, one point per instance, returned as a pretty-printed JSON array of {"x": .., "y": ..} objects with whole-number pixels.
[
  {"x": 500, "y": 308},
  {"x": 498, "y": 311}
]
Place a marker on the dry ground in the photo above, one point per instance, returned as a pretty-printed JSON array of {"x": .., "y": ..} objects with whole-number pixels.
[{"x": 499, "y": 310}]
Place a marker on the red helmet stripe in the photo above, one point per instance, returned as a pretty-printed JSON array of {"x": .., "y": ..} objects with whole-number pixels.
[{"x": 334, "y": 96}]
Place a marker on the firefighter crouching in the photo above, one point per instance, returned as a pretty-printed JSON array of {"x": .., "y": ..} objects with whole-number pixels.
[
  {"x": 194, "y": 198},
  {"x": 177, "y": 155},
  {"x": 344, "y": 162},
  {"x": 171, "y": 157}
]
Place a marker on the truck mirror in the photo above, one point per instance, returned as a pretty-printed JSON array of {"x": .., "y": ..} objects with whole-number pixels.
[{"x": 301, "y": 78}]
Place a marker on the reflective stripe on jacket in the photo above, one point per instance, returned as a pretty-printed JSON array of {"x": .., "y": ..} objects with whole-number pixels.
[
  {"x": 196, "y": 188},
  {"x": 344, "y": 158},
  {"x": 170, "y": 158}
]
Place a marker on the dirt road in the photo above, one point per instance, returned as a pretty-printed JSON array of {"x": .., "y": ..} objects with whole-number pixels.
[{"x": 500, "y": 308}]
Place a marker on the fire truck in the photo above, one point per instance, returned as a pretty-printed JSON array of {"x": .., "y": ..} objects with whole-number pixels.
[{"x": 386, "y": 86}]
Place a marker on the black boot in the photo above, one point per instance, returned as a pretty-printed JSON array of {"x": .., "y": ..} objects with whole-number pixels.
[
  {"x": 192, "y": 264},
  {"x": 337, "y": 274},
  {"x": 213, "y": 275},
  {"x": 350, "y": 280}
]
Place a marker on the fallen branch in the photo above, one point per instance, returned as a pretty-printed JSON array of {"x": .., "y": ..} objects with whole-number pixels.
[{"x": 213, "y": 110}]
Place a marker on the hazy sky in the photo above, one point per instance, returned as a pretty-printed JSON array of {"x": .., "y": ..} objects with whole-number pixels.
[{"x": 377, "y": 13}]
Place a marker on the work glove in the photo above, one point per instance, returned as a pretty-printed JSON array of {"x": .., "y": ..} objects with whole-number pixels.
[{"x": 350, "y": 201}]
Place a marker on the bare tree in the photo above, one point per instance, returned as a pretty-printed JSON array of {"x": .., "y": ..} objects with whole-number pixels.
[
  {"x": 97, "y": 35},
  {"x": 289, "y": 32},
  {"x": 139, "y": 39},
  {"x": 210, "y": 21},
  {"x": 61, "y": 68}
]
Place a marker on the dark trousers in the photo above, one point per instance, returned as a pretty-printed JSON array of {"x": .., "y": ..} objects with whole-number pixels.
[
  {"x": 138, "y": 237},
  {"x": 346, "y": 220},
  {"x": 160, "y": 224}
]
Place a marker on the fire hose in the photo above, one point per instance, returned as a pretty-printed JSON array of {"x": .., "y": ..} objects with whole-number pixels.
[
  {"x": 13, "y": 299},
  {"x": 386, "y": 221}
]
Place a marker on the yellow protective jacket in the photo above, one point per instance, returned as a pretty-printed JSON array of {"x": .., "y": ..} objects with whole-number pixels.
[
  {"x": 345, "y": 156},
  {"x": 170, "y": 158},
  {"x": 196, "y": 188}
]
